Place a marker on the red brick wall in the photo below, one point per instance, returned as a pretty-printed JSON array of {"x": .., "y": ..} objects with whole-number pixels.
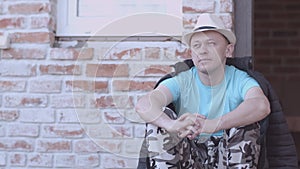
[
  {"x": 72, "y": 107},
  {"x": 277, "y": 52}
]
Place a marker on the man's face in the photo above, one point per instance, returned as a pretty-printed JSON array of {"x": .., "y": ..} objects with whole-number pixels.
[{"x": 209, "y": 51}]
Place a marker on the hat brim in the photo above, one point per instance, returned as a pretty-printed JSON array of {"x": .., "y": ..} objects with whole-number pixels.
[{"x": 227, "y": 33}]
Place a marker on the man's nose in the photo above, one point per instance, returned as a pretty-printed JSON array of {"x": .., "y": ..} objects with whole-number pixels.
[{"x": 202, "y": 49}]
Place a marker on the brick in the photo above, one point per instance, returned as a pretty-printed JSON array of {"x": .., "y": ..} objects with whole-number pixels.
[
  {"x": 89, "y": 116},
  {"x": 113, "y": 117},
  {"x": 291, "y": 61},
  {"x": 113, "y": 161},
  {"x": 227, "y": 20},
  {"x": 185, "y": 53},
  {"x": 267, "y": 6},
  {"x": 55, "y": 69},
  {"x": 9, "y": 115},
  {"x": 86, "y": 86},
  {"x": 24, "y": 69},
  {"x": 110, "y": 146},
  {"x": 17, "y": 159},
  {"x": 31, "y": 37},
  {"x": 267, "y": 69},
  {"x": 25, "y": 101},
  {"x": 107, "y": 70},
  {"x": 262, "y": 33},
  {"x": 263, "y": 15},
  {"x": 119, "y": 101},
  {"x": 133, "y": 147},
  {"x": 45, "y": 86},
  {"x": 85, "y": 115},
  {"x": 130, "y": 85},
  {"x": 152, "y": 53},
  {"x": 1, "y": 8},
  {"x": 266, "y": 25},
  {"x": 149, "y": 70},
  {"x": 139, "y": 131},
  {"x": 262, "y": 52},
  {"x": 85, "y": 53},
  {"x": 284, "y": 34},
  {"x": 63, "y": 54},
  {"x": 189, "y": 22},
  {"x": 169, "y": 54},
  {"x": 65, "y": 131},
  {"x": 37, "y": 115},
  {"x": 23, "y": 130},
  {"x": 58, "y": 146},
  {"x": 2, "y": 130},
  {"x": 10, "y": 144},
  {"x": 40, "y": 160},
  {"x": 290, "y": 15},
  {"x": 226, "y": 6},
  {"x": 286, "y": 69},
  {"x": 23, "y": 53},
  {"x": 273, "y": 43},
  {"x": 157, "y": 70},
  {"x": 2, "y": 159},
  {"x": 268, "y": 59},
  {"x": 65, "y": 160},
  {"x": 86, "y": 146},
  {"x": 103, "y": 53},
  {"x": 91, "y": 160},
  {"x": 12, "y": 86},
  {"x": 71, "y": 53},
  {"x": 286, "y": 52},
  {"x": 12, "y": 23},
  {"x": 294, "y": 42},
  {"x": 124, "y": 54},
  {"x": 194, "y": 6},
  {"x": 110, "y": 131},
  {"x": 37, "y": 22},
  {"x": 67, "y": 116},
  {"x": 28, "y": 8},
  {"x": 67, "y": 101}
]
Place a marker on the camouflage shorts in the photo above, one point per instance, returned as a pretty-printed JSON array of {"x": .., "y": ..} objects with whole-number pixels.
[{"x": 238, "y": 148}]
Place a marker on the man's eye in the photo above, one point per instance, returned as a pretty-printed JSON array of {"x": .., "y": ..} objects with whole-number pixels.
[
  {"x": 211, "y": 43},
  {"x": 196, "y": 46}
]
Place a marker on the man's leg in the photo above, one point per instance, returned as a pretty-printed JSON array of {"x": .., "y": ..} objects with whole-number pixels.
[
  {"x": 240, "y": 148},
  {"x": 168, "y": 151}
]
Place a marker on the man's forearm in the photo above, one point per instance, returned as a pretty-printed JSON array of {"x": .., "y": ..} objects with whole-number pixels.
[
  {"x": 248, "y": 112},
  {"x": 150, "y": 108}
]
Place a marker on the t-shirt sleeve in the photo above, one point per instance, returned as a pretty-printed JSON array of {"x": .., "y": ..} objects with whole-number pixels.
[
  {"x": 173, "y": 86},
  {"x": 247, "y": 83}
]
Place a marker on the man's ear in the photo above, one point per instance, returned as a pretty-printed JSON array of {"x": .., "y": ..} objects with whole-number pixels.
[{"x": 229, "y": 51}]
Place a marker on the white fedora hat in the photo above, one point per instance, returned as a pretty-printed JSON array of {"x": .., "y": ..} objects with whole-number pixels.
[{"x": 210, "y": 22}]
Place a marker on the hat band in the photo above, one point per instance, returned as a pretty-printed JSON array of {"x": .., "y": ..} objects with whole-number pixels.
[{"x": 205, "y": 27}]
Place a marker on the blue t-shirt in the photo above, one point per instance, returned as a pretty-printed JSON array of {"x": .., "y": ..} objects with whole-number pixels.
[{"x": 192, "y": 96}]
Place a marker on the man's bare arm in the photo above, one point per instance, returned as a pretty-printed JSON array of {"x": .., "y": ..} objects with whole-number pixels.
[
  {"x": 254, "y": 108},
  {"x": 150, "y": 108}
]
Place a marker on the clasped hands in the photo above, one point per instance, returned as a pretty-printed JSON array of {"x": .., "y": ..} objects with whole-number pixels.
[{"x": 191, "y": 125}]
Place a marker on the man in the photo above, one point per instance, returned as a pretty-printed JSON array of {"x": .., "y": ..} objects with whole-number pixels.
[{"x": 218, "y": 106}]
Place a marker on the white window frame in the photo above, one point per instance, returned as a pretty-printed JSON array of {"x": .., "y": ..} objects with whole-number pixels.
[{"x": 141, "y": 24}]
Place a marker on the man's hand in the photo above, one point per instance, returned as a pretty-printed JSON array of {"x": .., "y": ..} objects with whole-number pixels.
[{"x": 188, "y": 125}]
